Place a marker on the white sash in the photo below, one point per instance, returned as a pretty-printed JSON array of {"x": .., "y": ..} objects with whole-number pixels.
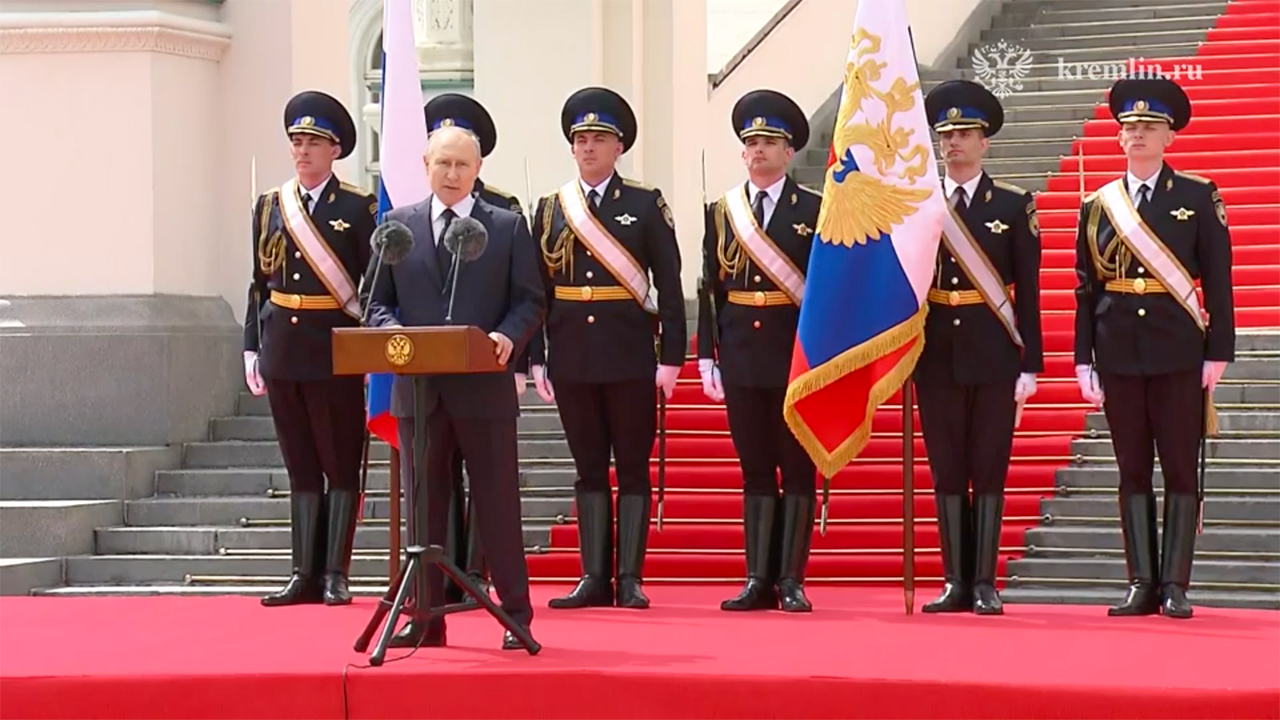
[
  {"x": 604, "y": 246},
  {"x": 316, "y": 251},
  {"x": 977, "y": 266},
  {"x": 1142, "y": 241},
  {"x": 763, "y": 252}
]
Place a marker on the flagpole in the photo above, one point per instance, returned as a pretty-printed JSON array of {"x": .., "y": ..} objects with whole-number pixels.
[{"x": 908, "y": 499}]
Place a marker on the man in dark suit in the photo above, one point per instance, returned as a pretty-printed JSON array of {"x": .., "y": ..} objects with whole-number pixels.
[
  {"x": 602, "y": 236},
  {"x": 1145, "y": 350},
  {"x": 498, "y": 292},
  {"x": 754, "y": 256},
  {"x": 463, "y": 544},
  {"x": 982, "y": 346},
  {"x": 311, "y": 244}
]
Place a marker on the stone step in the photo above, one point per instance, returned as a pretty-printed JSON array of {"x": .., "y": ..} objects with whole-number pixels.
[
  {"x": 1015, "y": 15},
  {"x": 1013, "y": 25},
  {"x": 1253, "y": 451},
  {"x": 1245, "y": 511},
  {"x": 1255, "y": 423},
  {"x": 256, "y": 511},
  {"x": 1019, "y": 594},
  {"x": 271, "y": 481},
  {"x": 1082, "y": 6},
  {"x": 1231, "y": 572},
  {"x": 262, "y": 427},
  {"x": 52, "y": 528},
  {"x": 1214, "y": 543},
  {"x": 253, "y": 405},
  {"x": 19, "y": 576},
  {"x": 135, "y": 569},
  {"x": 83, "y": 473},
  {"x": 218, "y": 540},
  {"x": 1046, "y": 43},
  {"x": 1116, "y": 53},
  {"x": 1029, "y": 149},
  {"x": 1218, "y": 481},
  {"x": 266, "y": 453}
]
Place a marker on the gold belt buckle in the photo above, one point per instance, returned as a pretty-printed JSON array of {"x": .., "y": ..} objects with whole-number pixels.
[
  {"x": 586, "y": 292},
  {"x": 953, "y": 298},
  {"x": 1140, "y": 286},
  {"x": 759, "y": 298},
  {"x": 295, "y": 301}
]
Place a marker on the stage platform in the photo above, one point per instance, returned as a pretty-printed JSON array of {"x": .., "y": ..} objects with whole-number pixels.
[{"x": 858, "y": 655}]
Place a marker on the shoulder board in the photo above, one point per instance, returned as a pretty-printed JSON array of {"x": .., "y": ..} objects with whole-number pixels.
[
  {"x": 550, "y": 197},
  {"x": 500, "y": 192},
  {"x": 809, "y": 190},
  {"x": 638, "y": 185},
  {"x": 1009, "y": 187},
  {"x": 1193, "y": 178},
  {"x": 355, "y": 190}
]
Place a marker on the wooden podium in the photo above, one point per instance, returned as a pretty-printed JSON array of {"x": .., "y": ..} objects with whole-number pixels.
[{"x": 418, "y": 351}]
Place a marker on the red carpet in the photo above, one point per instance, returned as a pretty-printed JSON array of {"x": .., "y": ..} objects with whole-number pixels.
[
  {"x": 856, "y": 656},
  {"x": 1233, "y": 138}
]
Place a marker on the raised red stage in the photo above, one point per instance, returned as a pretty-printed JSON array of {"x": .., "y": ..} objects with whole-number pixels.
[{"x": 857, "y": 655}]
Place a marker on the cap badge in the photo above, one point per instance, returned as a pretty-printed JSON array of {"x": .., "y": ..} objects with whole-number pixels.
[
  {"x": 953, "y": 113},
  {"x": 447, "y": 122},
  {"x": 307, "y": 121},
  {"x": 590, "y": 117},
  {"x": 1140, "y": 106},
  {"x": 757, "y": 122}
]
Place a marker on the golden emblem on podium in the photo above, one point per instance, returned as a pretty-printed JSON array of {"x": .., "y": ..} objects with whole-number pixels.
[{"x": 398, "y": 350}]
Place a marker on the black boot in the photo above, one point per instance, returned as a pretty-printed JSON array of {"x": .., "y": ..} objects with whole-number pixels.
[
  {"x": 1179, "y": 548},
  {"x": 595, "y": 535},
  {"x": 455, "y": 543},
  {"x": 477, "y": 571},
  {"x": 797, "y": 534},
  {"x": 1138, "y": 523},
  {"x": 304, "y": 526},
  {"x": 341, "y": 535},
  {"x": 987, "y": 511},
  {"x": 954, "y": 531},
  {"x": 757, "y": 528},
  {"x": 633, "y": 536}
]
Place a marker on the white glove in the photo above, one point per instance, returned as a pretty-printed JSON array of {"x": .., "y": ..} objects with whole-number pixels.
[
  {"x": 711, "y": 386},
  {"x": 1025, "y": 387},
  {"x": 252, "y": 377},
  {"x": 542, "y": 383},
  {"x": 522, "y": 383},
  {"x": 1090, "y": 386},
  {"x": 666, "y": 379},
  {"x": 1212, "y": 373}
]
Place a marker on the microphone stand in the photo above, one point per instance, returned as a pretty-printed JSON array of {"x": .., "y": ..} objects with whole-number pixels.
[
  {"x": 373, "y": 283},
  {"x": 453, "y": 285}
]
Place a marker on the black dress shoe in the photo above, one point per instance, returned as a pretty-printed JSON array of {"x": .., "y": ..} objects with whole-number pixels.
[
  {"x": 419, "y": 633},
  {"x": 955, "y": 524},
  {"x": 1138, "y": 525},
  {"x": 511, "y": 642},
  {"x": 336, "y": 591}
]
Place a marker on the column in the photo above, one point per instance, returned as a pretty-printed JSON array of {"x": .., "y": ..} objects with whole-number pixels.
[{"x": 444, "y": 35}]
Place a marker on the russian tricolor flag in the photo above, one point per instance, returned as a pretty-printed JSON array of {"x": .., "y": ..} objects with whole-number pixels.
[
  {"x": 862, "y": 321},
  {"x": 403, "y": 178}
]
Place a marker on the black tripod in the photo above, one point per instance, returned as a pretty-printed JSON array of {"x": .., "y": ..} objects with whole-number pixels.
[{"x": 420, "y": 557}]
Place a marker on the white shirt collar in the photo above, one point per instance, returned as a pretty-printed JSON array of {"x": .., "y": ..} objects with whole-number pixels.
[
  {"x": 773, "y": 191},
  {"x": 949, "y": 187},
  {"x": 586, "y": 189},
  {"x": 1134, "y": 182},
  {"x": 315, "y": 191},
  {"x": 462, "y": 208}
]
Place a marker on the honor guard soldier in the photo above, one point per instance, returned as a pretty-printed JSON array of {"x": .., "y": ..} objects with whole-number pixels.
[
  {"x": 982, "y": 346},
  {"x": 311, "y": 241},
  {"x": 455, "y": 110},
  {"x": 754, "y": 256},
  {"x": 1145, "y": 349},
  {"x": 601, "y": 236}
]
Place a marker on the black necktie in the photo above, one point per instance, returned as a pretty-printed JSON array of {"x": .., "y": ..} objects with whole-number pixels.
[
  {"x": 306, "y": 202},
  {"x": 443, "y": 255},
  {"x": 957, "y": 198},
  {"x": 757, "y": 208},
  {"x": 1142, "y": 195}
]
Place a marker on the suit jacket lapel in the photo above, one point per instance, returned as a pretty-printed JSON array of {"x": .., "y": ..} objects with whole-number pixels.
[{"x": 420, "y": 224}]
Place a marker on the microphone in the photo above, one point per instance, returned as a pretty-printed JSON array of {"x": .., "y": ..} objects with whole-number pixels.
[
  {"x": 391, "y": 242},
  {"x": 466, "y": 238}
]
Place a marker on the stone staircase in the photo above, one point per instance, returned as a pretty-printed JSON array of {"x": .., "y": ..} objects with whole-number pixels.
[
  {"x": 1046, "y": 114},
  {"x": 1076, "y": 554}
]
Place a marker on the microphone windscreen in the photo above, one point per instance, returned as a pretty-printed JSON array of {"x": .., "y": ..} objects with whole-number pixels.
[
  {"x": 466, "y": 238},
  {"x": 392, "y": 240}
]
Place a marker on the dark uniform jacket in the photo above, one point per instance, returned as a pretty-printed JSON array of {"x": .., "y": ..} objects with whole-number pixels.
[
  {"x": 297, "y": 344},
  {"x": 1152, "y": 334},
  {"x": 753, "y": 344},
  {"x": 969, "y": 344},
  {"x": 613, "y": 340},
  {"x": 498, "y": 197}
]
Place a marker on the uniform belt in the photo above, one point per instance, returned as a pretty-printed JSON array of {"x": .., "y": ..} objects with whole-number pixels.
[
  {"x": 759, "y": 298},
  {"x": 304, "y": 302},
  {"x": 1136, "y": 286},
  {"x": 955, "y": 298},
  {"x": 592, "y": 293}
]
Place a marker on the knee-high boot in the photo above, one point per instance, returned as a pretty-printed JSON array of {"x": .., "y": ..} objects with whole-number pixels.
[
  {"x": 757, "y": 529},
  {"x": 797, "y": 534},
  {"x": 1179, "y": 549},
  {"x": 954, "y": 530},
  {"x": 595, "y": 535},
  {"x": 303, "y": 586},
  {"x": 988, "y": 511},
  {"x": 341, "y": 537},
  {"x": 1138, "y": 523},
  {"x": 633, "y": 537}
]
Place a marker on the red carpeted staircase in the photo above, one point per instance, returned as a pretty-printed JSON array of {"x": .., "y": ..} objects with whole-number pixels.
[{"x": 1234, "y": 139}]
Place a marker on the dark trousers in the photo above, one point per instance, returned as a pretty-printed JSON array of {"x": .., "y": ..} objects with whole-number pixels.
[
  {"x": 968, "y": 434},
  {"x": 766, "y": 447},
  {"x": 489, "y": 446},
  {"x": 1150, "y": 413},
  {"x": 601, "y": 417},
  {"x": 320, "y": 427}
]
